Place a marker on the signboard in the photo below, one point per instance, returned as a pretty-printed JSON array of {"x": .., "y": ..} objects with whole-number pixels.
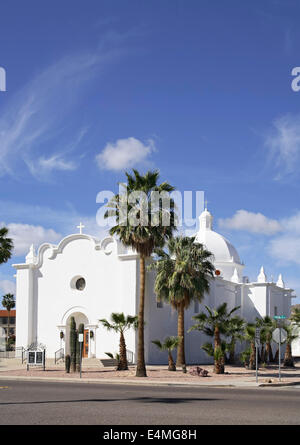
[
  {"x": 80, "y": 338},
  {"x": 279, "y": 335},
  {"x": 279, "y": 317},
  {"x": 36, "y": 358},
  {"x": 257, "y": 337}
]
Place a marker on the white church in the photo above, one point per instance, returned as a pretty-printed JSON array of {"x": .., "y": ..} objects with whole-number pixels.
[{"x": 89, "y": 278}]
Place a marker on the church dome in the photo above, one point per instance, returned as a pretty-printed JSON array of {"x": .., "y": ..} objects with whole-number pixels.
[{"x": 220, "y": 247}]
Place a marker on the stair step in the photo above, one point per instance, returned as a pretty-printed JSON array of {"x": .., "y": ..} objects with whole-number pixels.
[{"x": 108, "y": 362}]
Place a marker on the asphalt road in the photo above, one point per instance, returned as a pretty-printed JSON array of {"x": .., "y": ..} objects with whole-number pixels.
[{"x": 49, "y": 403}]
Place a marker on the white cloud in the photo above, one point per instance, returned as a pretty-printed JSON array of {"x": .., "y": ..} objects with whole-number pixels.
[
  {"x": 251, "y": 222},
  {"x": 35, "y": 118},
  {"x": 7, "y": 287},
  {"x": 285, "y": 248},
  {"x": 283, "y": 144},
  {"x": 24, "y": 235},
  {"x": 124, "y": 153},
  {"x": 65, "y": 222}
]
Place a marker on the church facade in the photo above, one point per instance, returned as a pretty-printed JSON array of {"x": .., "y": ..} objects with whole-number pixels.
[{"x": 89, "y": 279}]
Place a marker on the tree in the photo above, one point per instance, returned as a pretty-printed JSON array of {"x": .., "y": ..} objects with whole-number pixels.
[
  {"x": 6, "y": 245},
  {"x": 182, "y": 277},
  {"x": 267, "y": 326},
  {"x": 120, "y": 323},
  {"x": 8, "y": 301},
  {"x": 288, "y": 360},
  {"x": 168, "y": 344},
  {"x": 295, "y": 316},
  {"x": 250, "y": 337},
  {"x": 235, "y": 330},
  {"x": 215, "y": 323},
  {"x": 146, "y": 235}
]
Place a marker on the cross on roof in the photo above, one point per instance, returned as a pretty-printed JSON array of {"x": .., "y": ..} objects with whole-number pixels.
[{"x": 80, "y": 227}]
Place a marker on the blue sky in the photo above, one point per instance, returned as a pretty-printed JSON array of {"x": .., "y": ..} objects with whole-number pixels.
[{"x": 200, "y": 90}]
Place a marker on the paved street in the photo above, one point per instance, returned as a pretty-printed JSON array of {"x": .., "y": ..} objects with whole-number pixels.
[{"x": 67, "y": 403}]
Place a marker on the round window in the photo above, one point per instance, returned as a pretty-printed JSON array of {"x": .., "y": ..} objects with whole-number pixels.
[{"x": 80, "y": 284}]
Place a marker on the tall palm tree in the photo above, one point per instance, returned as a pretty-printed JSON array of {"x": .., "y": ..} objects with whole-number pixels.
[
  {"x": 168, "y": 344},
  {"x": 182, "y": 277},
  {"x": 267, "y": 325},
  {"x": 250, "y": 337},
  {"x": 295, "y": 316},
  {"x": 235, "y": 330},
  {"x": 120, "y": 323},
  {"x": 288, "y": 360},
  {"x": 6, "y": 245},
  {"x": 144, "y": 237},
  {"x": 215, "y": 323},
  {"x": 8, "y": 301}
]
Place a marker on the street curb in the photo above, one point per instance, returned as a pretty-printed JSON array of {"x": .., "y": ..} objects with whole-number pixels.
[
  {"x": 115, "y": 382},
  {"x": 246, "y": 385},
  {"x": 279, "y": 384}
]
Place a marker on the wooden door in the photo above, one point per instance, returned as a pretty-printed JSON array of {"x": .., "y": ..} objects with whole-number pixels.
[{"x": 86, "y": 344}]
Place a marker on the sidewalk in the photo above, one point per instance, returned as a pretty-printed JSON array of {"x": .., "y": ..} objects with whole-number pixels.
[{"x": 157, "y": 376}]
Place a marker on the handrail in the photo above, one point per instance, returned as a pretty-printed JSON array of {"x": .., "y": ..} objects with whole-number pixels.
[
  {"x": 130, "y": 356},
  {"x": 59, "y": 354}
]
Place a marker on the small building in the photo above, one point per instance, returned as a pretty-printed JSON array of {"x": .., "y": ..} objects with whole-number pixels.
[{"x": 4, "y": 321}]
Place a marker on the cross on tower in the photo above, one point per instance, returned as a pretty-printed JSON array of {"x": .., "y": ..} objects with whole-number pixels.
[{"x": 80, "y": 227}]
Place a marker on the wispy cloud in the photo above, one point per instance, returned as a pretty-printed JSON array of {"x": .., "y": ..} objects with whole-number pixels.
[
  {"x": 32, "y": 224},
  {"x": 124, "y": 153},
  {"x": 283, "y": 143},
  {"x": 7, "y": 287},
  {"x": 251, "y": 222},
  {"x": 35, "y": 118},
  {"x": 24, "y": 235}
]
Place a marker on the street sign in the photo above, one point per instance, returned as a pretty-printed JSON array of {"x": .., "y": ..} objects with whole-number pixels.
[
  {"x": 279, "y": 335},
  {"x": 80, "y": 338},
  {"x": 279, "y": 317},
  {"x": 257, "y": 337}
]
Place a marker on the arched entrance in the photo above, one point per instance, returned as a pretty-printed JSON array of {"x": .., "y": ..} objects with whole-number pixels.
[{"x": 79, "y": 318}]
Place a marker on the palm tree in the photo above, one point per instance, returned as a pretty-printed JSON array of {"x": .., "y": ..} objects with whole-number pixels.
[
  {"x": 295, "y": 316},
  {"x": 168, "y": 344},
  {"x": 144, "y": 237},
  {"x": 214, "y": 323},
  {"x": 250, "y": 337},
  {"x": 236, "y": 330},
  {"x": 8, "y": 301},
  {"x": 288, "y": 360},
  {"x": 182, "y": 277},
  {"x": 267, "y": 326},
  {"x": 120, "y": 323},
  {"x": 6, "y": 246}
]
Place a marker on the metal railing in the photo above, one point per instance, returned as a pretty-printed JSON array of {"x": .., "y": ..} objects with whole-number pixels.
[
  {"x": 59, "y": 355},
  {"x": 21, "y": 353},
  {"x": 130, "y": 357}
]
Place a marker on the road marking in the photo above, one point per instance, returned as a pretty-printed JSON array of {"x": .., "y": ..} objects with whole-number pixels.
[{"x": 3, "y": 387}]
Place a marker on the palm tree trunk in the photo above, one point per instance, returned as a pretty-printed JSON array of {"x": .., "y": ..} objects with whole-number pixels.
[
  {"x": 270, "y": 352},
  {"x": 172, "y": 366},
  {"x": 140, "y": 367},
  {"x": 219, "y": 367},
  {"x": 252, "y": 360},
  {"x": 180, "y": 328},
  {"x": 288, "y": 359},
  {"x": 8, "y": 321},
  {"x": 232, "y": 352},
  {"x": 123, "y": 365}
]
